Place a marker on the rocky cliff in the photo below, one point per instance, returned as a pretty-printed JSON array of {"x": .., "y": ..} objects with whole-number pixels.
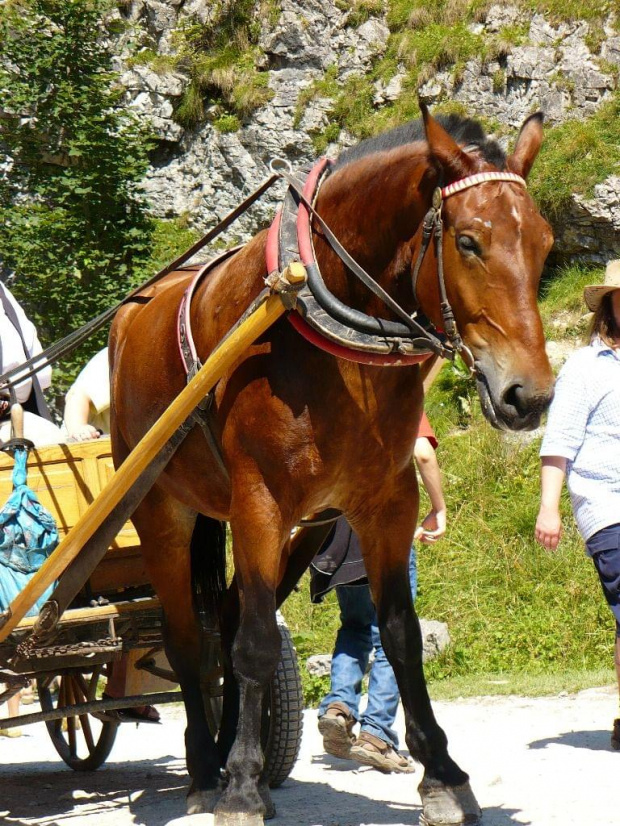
[{"x": 567, "y": 69}]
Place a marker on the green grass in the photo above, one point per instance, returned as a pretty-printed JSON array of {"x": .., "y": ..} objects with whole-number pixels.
[
  {"x": 588, "y": 148},
  {"x": 561, "y": 307},
  {"x": 521, "y": 684}
]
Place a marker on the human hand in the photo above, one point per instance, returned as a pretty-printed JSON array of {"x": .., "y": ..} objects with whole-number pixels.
[
  {"x": 85, "y": 433},
  {"x": 432, "y": 527},
  {"x": 548, "y": 529}
]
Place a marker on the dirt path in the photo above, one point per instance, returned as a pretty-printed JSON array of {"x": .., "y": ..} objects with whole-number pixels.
[{"x": 545, "y": 762}]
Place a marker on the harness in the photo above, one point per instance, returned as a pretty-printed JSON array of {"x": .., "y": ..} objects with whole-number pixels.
[{"x": 319, "y": 316}]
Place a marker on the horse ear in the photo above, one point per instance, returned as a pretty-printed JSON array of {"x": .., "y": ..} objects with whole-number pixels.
[
  {"x": 444, "y": 150},
  {"x": 527, "y": 146}
]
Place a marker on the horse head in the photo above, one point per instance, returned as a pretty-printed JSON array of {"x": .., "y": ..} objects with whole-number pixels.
[{"x": 495, "y": 243}]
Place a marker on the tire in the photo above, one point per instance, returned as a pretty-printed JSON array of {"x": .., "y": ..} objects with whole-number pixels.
[
  {"x": 283, "y": 715},
  {"x": 282, "y": 721},
  {"x": 84, "y": 747}
]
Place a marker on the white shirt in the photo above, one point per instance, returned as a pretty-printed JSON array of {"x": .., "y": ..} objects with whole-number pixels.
[
  {"x": 13, "y": 350},
  {"x": 583, "y": 426},
  {"x": 94, "y": 380}
]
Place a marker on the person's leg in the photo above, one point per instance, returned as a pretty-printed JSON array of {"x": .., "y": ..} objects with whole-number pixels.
[
  {"x": 352, "y": 648},
  {"x": 13, "y": 711},
  {"x": 115, "y": 688},
  {"x": 383, "y": 697},
  {"x": 340, "y": 708},
  {"x": 607, "y": 564},
  {"x": 615, "y": 735}
]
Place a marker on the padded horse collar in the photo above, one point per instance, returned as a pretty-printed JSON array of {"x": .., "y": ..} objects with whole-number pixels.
[{"x": 319, "y": 316}]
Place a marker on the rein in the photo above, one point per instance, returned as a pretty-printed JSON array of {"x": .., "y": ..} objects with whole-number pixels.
[{"x": 56, "y": 351}]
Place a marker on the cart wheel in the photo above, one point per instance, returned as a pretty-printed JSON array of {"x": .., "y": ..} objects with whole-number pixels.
[
  {"x": 283, "y": 715},
  {"x": 87, "y": 741},
  {"x": 282, "y": 721}
]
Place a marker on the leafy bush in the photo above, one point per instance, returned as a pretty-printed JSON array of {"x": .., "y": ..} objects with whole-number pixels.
[{"x": 73, "y": 223}]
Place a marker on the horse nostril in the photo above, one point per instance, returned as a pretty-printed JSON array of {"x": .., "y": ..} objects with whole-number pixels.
[{"x": 515, "y": 396}]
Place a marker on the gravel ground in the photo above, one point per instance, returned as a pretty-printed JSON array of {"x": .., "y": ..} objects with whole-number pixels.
[{"x": 544, "y": 761}]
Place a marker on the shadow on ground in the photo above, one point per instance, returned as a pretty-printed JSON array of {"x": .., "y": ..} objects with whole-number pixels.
[
  {"x": 152, "y": 793},
  {"x": 592, "y": 740}
]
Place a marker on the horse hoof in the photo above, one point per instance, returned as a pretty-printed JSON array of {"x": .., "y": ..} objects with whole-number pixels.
[
  {"x": 202, "y": 801},
  {"x": 238, "y": 819},
  {"x": 265, "y": 796},
  {"x": 448, "y": 805}
]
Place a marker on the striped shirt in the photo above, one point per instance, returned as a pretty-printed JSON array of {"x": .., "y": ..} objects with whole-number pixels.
[{"x": 583, "y": 426}]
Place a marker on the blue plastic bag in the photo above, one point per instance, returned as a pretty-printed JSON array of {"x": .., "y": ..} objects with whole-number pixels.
[{"x": 28, "y": 536}]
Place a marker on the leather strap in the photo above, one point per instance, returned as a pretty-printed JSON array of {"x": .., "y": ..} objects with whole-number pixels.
[
  {"x": 203, "y": 415},
  {"x": 60, "y": 348}
]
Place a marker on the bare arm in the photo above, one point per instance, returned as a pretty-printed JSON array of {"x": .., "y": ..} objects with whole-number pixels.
[
  {"x": 77, "y": 409},
  {"x": 548, "y": 524},
  {"x": 433, "y": 526}
]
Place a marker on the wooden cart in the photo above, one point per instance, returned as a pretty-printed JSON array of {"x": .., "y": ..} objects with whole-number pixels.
[{"x": 116, "y": 613}]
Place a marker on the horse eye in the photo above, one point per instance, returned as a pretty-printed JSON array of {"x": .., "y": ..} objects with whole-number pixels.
[{"x": 467, "y": 244}]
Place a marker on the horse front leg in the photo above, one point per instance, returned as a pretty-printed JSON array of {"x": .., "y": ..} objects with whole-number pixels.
[
  {"x": 257, "y": 544},
  {"x": 447, "y": 798}
]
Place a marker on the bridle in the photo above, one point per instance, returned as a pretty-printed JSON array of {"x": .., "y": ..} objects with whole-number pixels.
[{"x": 432, "y": 227}]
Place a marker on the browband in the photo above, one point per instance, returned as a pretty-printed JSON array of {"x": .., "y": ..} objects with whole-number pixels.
[{"x": 481, "y": 178}]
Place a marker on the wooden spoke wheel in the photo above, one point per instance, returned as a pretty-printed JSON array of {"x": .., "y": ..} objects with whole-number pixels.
[{"x": 84, "y": 742}]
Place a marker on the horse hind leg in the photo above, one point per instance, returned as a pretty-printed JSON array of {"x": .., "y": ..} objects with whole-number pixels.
[{"x": 167, "y": 531}]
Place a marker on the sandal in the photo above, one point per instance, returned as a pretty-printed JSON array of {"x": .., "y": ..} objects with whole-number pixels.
[
  {"x": 372, "y": 751},
  {"x": 134, "y": 714},
  {"x": 336, "y": 726}
]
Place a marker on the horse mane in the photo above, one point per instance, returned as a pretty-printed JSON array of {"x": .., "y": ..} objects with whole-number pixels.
[{"x": 465, "y": 131}]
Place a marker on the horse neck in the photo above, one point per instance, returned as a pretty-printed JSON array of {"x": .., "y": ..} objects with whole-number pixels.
[{"x": 374, "y": 206}]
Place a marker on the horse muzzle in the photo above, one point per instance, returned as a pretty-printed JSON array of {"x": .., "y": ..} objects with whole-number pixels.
[{"x": 513, "y": 405}]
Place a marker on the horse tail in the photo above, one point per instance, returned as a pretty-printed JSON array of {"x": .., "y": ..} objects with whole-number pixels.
[{"x": 208, "y": 568}]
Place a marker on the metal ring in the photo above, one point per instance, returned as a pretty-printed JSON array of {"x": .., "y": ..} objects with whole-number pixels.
[
  {"x": 278, "y": 165},
  {"x": 468, "y": 358}
]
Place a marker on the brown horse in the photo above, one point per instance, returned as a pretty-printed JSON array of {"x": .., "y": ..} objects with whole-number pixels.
[{"x": 301, "y": 430}]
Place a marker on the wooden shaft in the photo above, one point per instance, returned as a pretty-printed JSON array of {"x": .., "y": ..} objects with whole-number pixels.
[
  {"x": 221, "y": 360},
  {"x": 17, "y": 421}
]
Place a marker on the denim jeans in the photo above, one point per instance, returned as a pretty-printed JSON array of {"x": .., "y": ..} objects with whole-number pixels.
[{"x": 357, "y": 636}]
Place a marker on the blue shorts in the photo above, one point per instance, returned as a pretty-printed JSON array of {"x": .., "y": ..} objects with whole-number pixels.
[{"x": 604, "y": 547}]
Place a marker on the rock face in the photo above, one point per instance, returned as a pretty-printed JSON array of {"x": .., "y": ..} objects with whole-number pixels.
[
  {"x": 203, "y": 173},
  {"x": 565, "y": 69},
  {"x": 435, "y": 637}
]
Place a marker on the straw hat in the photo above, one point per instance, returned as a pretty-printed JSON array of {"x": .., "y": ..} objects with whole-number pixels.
[{"x": 593, "y": 294}]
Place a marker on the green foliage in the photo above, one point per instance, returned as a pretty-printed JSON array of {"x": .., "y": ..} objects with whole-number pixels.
[
  {"x": 361, "y": 10},
  {"x": 220, "y": 60},
  {"x": 227, "y": 123},
  {"x": 589, "y": 148},
  {"x": 168, "y": 241},
  {"x": 76, "y": 241}
]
